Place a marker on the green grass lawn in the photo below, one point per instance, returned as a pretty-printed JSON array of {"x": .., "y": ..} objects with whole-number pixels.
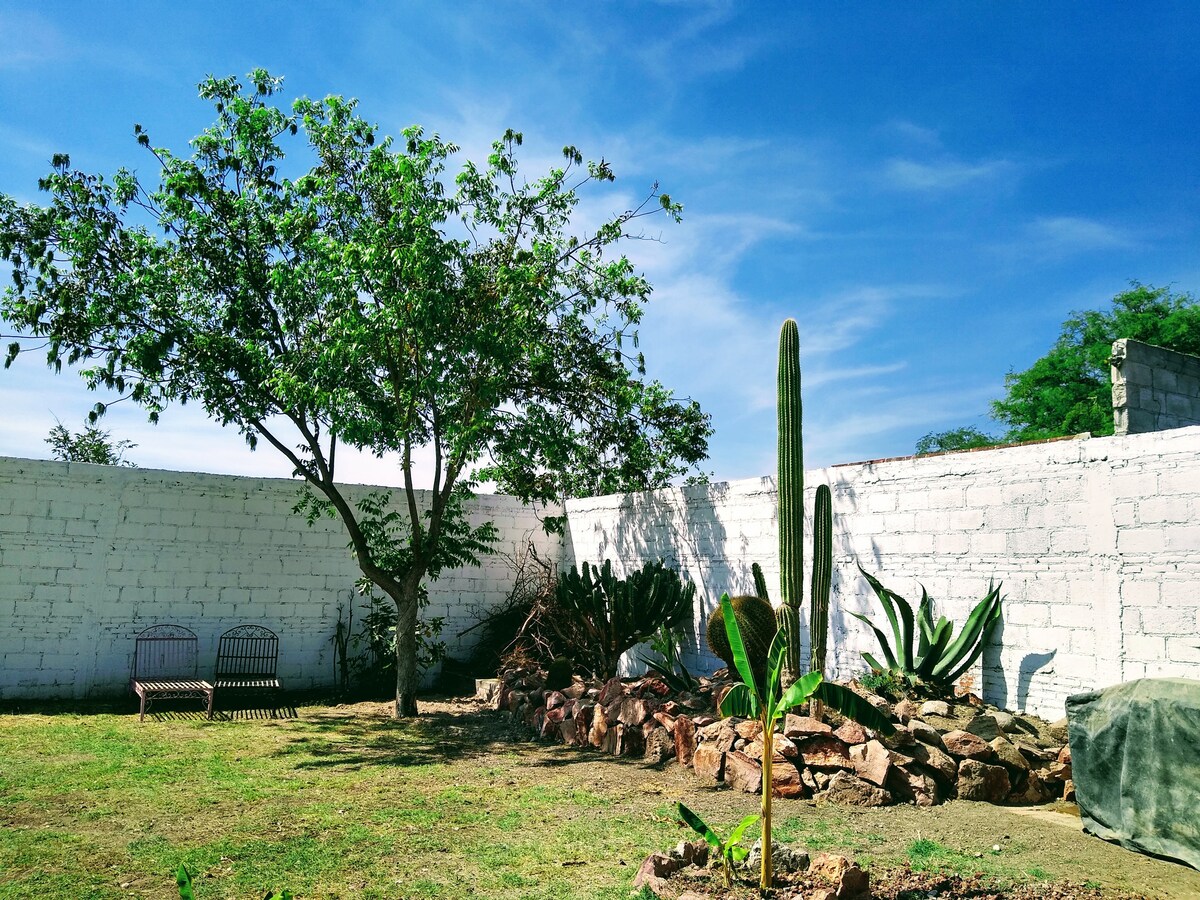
[{"x": 344, "y": 802}]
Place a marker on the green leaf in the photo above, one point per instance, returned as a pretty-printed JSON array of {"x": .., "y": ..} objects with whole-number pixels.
[
  {"x": 739, "y": 701},
  {"x": 738, "y": 854},
  {"x": 184, "y": 882},
  {"x": 883, "y": 645},
  {"x": 799, "y": 691},
  {"x": 738, "y": 649},
  {"x": 698, "y": 825},
  {"x": 962, "y": 653},
  {"x": 736, "y": 835}
]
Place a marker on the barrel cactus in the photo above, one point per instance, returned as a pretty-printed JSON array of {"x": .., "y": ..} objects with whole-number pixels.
[{"x": 756, "y": 621}]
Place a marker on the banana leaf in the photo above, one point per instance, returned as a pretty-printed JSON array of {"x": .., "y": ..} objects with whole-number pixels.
[{"x": 852, "y": 706}]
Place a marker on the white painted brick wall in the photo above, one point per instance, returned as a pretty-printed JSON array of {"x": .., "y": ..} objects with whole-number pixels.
[
  {"x": 91, "y": 555},
  {"x": 1093, "y": 540}
]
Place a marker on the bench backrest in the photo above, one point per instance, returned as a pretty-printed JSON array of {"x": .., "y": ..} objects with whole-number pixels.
[
  {"x": 247, "y": 650},
  {"x": 165, "y": 653}
]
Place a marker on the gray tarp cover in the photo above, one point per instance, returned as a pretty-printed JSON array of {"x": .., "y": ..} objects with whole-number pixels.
[{"x": 1135, "y": 759}]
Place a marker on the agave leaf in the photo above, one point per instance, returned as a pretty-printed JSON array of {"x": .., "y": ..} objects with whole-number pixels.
[
  {"x": 968, "y": 642},
  {"x": 798, "y": 692},
  {"x": 851, "y": 705},
  {"x": 737, "y": 648},
  {"x": 699, "y": 826},
  {"x": 740, "y": 701},
  {"x": 941, "y": 637},
  {"x": 924, "y": 626},
  {"x": 991, "y": 623},
  {"x": 887, "y": 599},
  {"x": 883, "y": 645},
  {"x": 736, "y": 834}
]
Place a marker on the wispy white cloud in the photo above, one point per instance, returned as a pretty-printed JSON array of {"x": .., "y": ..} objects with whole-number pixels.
[
  {"x": 27, "y": 40},
  {"x": 1077, "y": 234},
  {"x": 946, "y": 174}
]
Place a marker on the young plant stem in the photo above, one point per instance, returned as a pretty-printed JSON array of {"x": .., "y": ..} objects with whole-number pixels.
[{"x": 768, "y": 764}]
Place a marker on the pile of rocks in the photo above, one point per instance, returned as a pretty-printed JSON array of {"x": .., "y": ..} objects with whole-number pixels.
[{"x": 940, "y": 750}]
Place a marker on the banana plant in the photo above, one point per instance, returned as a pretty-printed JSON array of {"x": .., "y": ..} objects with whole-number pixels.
[
  {"x": 938, "y": 658},
  {"x": 729, "y": 850},
  {"x": 764, "y": 698}
]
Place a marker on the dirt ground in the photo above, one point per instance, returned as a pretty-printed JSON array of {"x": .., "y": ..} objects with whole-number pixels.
[{"x": 1031, "y": 840}]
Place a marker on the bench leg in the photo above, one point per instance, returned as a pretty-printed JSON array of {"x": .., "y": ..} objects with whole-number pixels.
[
  {"x": 142, "y": 708},
  {"x": 210, "y": 703}
]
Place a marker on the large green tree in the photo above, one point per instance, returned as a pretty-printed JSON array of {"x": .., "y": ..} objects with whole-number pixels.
[
  {"x": 1069, "y": 390},
  {"x": 366, "y": 301}
]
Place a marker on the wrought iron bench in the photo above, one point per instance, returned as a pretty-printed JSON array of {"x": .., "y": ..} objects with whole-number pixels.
[
  {"x": 247, "y": 660},
  {"x": 165, "y": 665}
]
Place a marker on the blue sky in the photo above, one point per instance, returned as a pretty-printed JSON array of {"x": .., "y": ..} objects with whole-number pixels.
[{"x": 929, "y": 189}]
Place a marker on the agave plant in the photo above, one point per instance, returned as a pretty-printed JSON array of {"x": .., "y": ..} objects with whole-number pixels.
[{"x": 939, "y": 658}]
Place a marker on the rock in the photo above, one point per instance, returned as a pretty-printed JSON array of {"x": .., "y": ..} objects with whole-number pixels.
[
  {"x": 941, "y": 765},
  {"x": 849, "y": 879},
  {"x": 666, "y": 720},
  {"x": 822, "y": 779},
  {"x": 878, "y": 702},
  {"x": 871, "y": 761},
  {"x": 599, "y": 728},
  {"x": 824, "y": 751},
  {"x": 803, "y": 726},
  {"x": 1055, "y": 772},
  {"x": 851, "y": 733},
  {"x": 709, "y": 762},
  {"x": 555, "y": 699},
  {"x": 935, "y": 708},
  {"x": 742, "y": 773},
  {"x": 1010, "y": 757},
  {"x": 630, "y": 741},
  {"x": 901, "y": 739},
  {"x": 926, "y": 733},
  {"x": 720, "y": 734},
  {"x": 906, "y": 709},
  {"x": 909, "y": 783},
  {"x": 749, "y": 729},
  {"x": 807, "y": 779},
  {"x": 785, "y": 781},
  {"x": 1036, "y": 755},
  {"x": 613, "y": 689},
  {"x": 980, "y": 781},
  {"x": 575, "y": 691},
  {"x": 1032, "y": 792},
  {"x": 702, "y": 721},
  {"x": 850, "y": 790},
  {"x": 965, "y": 745},
  {"x": 1069, "y": 790},
  {"x": 1004, "y": 721},
  {"x": 631, "y": 711},
  {"x": 1058, "y": 730},
  {"x": 685, "y": 740},
  {"x": 1064, "y": 755},
  {"x": 660, "y": 746},
  {"x": 784, "y": 859},
  {"x": 983, "y": 726},
  {"x": 654, "y": 872},
  {"x": 818, "y": 894}
]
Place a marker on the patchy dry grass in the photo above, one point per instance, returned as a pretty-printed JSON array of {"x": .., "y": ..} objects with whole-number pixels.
[{"x": 345, "y": 802}]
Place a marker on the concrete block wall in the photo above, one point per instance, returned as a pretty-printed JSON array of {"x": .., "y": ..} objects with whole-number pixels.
[
  {"x": 91, "y": 555},
  {"x": 1094, "y": 540},
  {"x": 1153, "y": 388}
]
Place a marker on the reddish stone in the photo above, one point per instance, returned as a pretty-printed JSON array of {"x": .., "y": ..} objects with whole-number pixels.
[
  {"x": 941, "y": 765},
  {"x": 803, "y": 726},
  {"x": 659, "y": 744},
  {"x": 742, "y": 773},
  {"x": 910, "y": 784},
  {"x": 848, "y": 877},
  {"x": 631, "y": 711},
  {"x": 685, "y": 740},
  {"x": 824, "y": 751},
  {"x": 1069, "y": 791},
  {"x": 851, "y": 732},
  {"x": 709, "y": 762},
  {"x": 872, "y": 762},
  {"x": 1033, "y": 792},
  {"x": 599, "y": 727},
  {"x": 1064, "y": 755},
  {"x": 964, "y": 745},
  {"x": 906, "y": 709},
  {"x": 629, "y": 741},
  {"x": 720, "y": 733},
  {"x": 555, "y": 699},
  {"x": 785, "y": 780},
  {"x": 566, "y": 730},
  {"x": 704, "y": 721},
  {"x": 575, "y": 691},
  {"x": 613, "y": 689},
  {"x": 665, "y": 719},
  {"x": 851, "y": 790},
  {"x": 748, "y": 729},
  {"x": 654, "y": 872}
]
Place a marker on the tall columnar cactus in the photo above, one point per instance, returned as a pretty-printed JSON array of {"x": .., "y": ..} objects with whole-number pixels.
[
  {"x": 760, "y": 582},
  {"x": 791, "y": 494},
  {"x": 822, "y": 576}
]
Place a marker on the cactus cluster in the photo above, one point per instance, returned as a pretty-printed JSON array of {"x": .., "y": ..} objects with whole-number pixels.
[
  {"x": 617, "y": 613},
  {"x": 791, "y": 519}
]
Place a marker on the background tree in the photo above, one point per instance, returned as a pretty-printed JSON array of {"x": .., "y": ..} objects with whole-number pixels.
[
  {"x": 1069, "y": 390},
  {"x": 92, "y": 445},
  {"x": 365, "y": 301}
]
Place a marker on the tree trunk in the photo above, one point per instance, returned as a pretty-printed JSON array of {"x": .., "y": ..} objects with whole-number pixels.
[{"x": 406, "y": 649}]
